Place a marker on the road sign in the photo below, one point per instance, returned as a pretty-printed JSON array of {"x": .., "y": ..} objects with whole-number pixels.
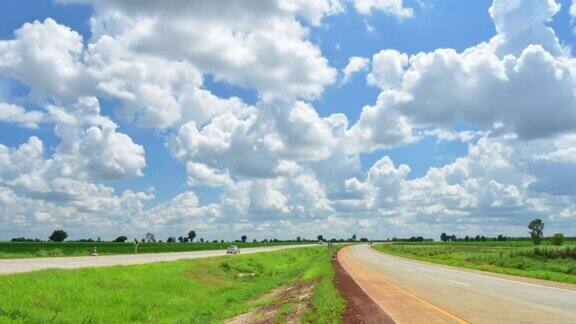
[{"x": 136, "y": 243}]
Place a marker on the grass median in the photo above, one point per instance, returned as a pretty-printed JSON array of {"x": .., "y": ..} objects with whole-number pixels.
[
  {"x": 10, "y": 250},
  {"x": 193, "y": 291},
  {"x": 510, "y": 257}
]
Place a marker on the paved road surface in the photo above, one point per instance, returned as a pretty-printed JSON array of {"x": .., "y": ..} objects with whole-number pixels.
[
  {"x": 456, "y": 295},
  {"x": 33, "y": 264}
]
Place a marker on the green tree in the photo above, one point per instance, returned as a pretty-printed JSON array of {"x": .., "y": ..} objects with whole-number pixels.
[
  {"x": 121, "y": 238},
  {"x": 244, "y": 238},
  {"x": 444, "y": 237},
  {"x": 557, "y": 239},
  {"x": 191, "y": 235},
  {"x": 354, "y": 237},
  {"x": 320, "y": 238},
  {"x": 536, "y": 227},
  {"x": 58, "y": 236}
]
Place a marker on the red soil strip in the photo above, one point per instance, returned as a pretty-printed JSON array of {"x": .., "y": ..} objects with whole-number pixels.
[{"x": 360, "y": 308}]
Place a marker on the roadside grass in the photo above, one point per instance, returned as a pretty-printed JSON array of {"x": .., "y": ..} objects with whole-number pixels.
[
  {"x": 191, "y": 291},
  {"x": 518, "y": 258},
  {"x": 9, "y": 250}
]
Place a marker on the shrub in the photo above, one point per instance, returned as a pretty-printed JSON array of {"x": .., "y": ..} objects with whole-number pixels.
[
  {"x": 547, "y": 253},
  {"x": 557, "y": 239}
]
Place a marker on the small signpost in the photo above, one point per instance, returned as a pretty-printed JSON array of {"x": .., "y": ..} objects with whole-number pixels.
[{"x": 136, "y": 243}]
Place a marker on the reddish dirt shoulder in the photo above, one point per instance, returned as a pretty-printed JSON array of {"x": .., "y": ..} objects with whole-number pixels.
[{"x": 360, "y": 307}]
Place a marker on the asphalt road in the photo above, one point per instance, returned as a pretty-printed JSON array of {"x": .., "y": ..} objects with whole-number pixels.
[
  {"x": 8, "y": 266},
  {"x": 467, "y": 296}
]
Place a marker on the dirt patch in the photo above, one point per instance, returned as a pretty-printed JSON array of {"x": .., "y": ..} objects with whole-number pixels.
[
  {"x": 360, "y": 308},
  {"x": 289, "y": 304}
]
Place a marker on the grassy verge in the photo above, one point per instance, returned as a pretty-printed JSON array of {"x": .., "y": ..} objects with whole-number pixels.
[
  {"x": 47, "y": 249},
  {"x": 192, "y": 291},
  {"x": 515, "y": 258}
]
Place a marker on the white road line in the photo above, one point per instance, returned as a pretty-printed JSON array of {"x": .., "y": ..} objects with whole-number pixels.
[
  {"x": 460, "y": 283},
  {"x": 471, "y": 273}
]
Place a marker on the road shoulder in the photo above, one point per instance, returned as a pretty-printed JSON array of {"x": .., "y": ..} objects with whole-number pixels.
[{"x": 360, "y": 308}]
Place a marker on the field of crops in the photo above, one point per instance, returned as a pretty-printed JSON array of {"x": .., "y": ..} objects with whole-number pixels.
[
  {"x": 189, "y": 291},
  {"x": 45, "y": 249},
  {"x": 521, "y": 258}
]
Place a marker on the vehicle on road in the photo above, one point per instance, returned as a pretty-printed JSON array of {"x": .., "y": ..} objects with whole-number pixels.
[{"x": 232, "y": 249}]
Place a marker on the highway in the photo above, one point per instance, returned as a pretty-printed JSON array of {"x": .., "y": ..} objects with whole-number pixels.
[
  {"x": 412, "y": 291},
  {"x": 8, "y": 266}
]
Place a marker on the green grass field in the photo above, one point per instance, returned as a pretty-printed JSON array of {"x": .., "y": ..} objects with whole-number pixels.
[
  {"x": 46, "y": 249},
  {"x": 511, "y": 257},
  {"x": 187, "y": 291}
]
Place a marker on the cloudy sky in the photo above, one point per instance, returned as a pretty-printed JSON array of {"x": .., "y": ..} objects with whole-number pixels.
[{"x": 278, "y": 118}]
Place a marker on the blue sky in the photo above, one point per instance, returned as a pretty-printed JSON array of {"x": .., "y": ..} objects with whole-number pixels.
[{"x": 216, "y": 186}]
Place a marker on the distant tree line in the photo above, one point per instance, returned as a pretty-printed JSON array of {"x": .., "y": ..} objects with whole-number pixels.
[
  {"x": 61, "y": 235},
  {"x": 536, "y": 231},
  {"x": 23, "y": 239}
]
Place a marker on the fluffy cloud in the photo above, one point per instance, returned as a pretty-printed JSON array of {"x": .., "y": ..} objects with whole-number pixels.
[
  {"x": 96, "y": 154},
  {"x": 380, "y": 126},
  {"x": 520, "y": 23},
  {"x": 264, "y": 143},
  {"x": 202, "y": 174},
  {"x": 155, "y": 91},
  {"x": 391, "y": 7},
  {"x": 45, "y": 56},
  {"x": 38, "y": 191},
  {"x": 17, "y": 114},
  {"x": 298, "y": 197},
  {"x": 509, "y": 91},
  {"x": 184, "y": 210},
  {"x": 100, "y": 154},
  {"x": 388, "y": 67},
  {"x": 355, "y": 65},
  {"x": 63, "y": 189},
  {"x": 487, "y": 189},
  {"x": 555, "y": 168},
  {"x": 504, "y": 82},
  {"x": 261, "y": 45},
  {"x": 380, "y": 190}
]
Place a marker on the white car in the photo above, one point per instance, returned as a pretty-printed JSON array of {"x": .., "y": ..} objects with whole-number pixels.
[{"x": 232, "y": 249}]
